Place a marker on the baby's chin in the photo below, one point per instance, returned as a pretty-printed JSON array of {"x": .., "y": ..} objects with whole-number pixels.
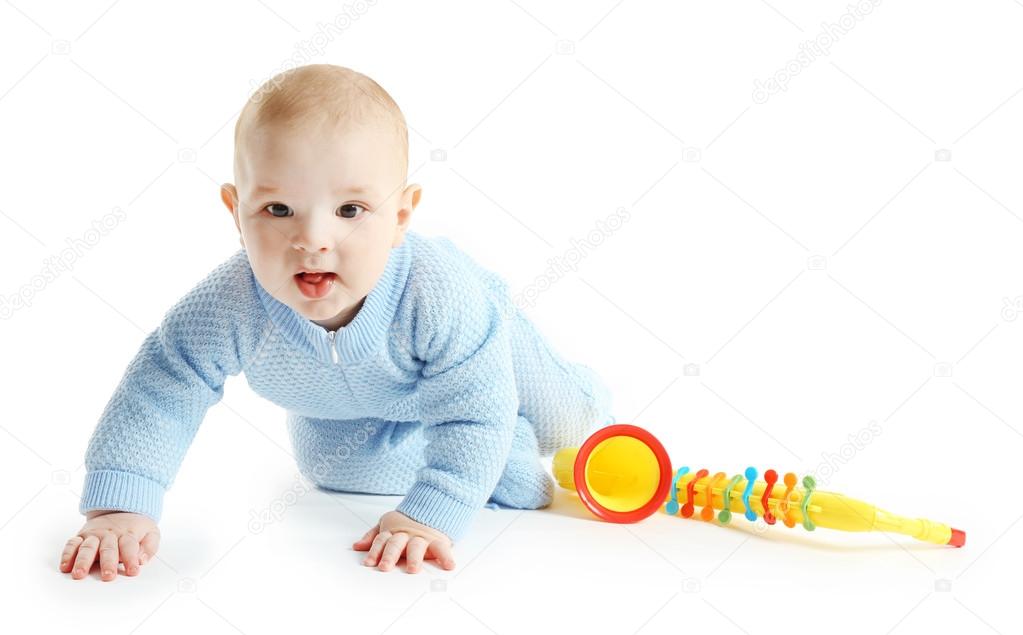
[
  {"x": 317, "y": 309},
  {"x": 326, "y": 312}
]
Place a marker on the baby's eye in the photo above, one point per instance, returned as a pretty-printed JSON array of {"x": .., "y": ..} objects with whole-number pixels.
[
  {"x": 278, "y": 210},
  {"x": 346, "y": 211}
]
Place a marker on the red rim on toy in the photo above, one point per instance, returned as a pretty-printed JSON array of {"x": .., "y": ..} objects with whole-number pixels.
[{"x": 663, "y": 464}]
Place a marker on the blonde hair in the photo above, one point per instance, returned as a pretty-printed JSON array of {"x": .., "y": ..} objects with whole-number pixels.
[{"x": 325, "y": 94}]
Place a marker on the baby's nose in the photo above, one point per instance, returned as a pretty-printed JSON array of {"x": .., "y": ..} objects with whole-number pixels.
[{"x": 314, "y": 237}]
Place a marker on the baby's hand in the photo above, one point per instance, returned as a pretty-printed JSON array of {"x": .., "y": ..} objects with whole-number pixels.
[
  {"x": 393, "y": 533},
  {"x": 119, "y": 537}
]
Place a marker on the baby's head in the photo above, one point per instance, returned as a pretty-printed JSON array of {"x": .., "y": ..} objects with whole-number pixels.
[{"x": 320, "y": 164}]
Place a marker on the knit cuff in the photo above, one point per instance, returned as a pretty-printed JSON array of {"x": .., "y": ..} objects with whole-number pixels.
[
  {"x": 428, "y": 505},
  {"x": 122, "y": 491}
]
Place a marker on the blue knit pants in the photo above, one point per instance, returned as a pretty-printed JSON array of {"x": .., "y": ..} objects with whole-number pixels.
[{"x": 374, "y": 456}]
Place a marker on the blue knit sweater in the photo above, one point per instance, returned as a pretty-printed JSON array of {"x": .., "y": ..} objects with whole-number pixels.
[{"x": 440, "y": 389}]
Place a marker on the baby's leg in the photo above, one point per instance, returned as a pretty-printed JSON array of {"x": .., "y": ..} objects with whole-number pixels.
[
  {"x": 525, "y": 484},
  {"x": 369, "y": 455},
  {"x": 564, "y": 401},
  {"x": 374, "y": 456}
]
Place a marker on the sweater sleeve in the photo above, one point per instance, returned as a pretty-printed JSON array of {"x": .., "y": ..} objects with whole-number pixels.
[
  {"x": 176, "y": 375},
  {"x": 467, "y": 400}
]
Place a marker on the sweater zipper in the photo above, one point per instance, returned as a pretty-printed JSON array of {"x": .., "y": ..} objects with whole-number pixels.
[{"x": 333, "y": 348}]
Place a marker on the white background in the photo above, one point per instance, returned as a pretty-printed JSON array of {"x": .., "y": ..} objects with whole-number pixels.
[{"x": 844, "y": 255}]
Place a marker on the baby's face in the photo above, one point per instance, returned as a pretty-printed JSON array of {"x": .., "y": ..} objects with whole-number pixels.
[{"x": 313, "y": 199}]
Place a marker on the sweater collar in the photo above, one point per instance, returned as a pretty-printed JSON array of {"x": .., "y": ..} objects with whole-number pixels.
[{"x": 360, "y": 337}]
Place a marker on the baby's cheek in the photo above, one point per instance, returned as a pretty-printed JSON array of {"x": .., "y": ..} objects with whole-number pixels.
[
  {"x": 264, "y": 240},
  {"x": 360, "y": 273}
]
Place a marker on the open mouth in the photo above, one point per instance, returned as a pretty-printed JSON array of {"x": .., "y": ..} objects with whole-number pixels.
[{"x": 315, "y": 285}]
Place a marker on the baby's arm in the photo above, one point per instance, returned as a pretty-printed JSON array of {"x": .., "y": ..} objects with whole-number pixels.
[
  {"x": 468, "y": 405},
  {"x": 149, "y": 422}
]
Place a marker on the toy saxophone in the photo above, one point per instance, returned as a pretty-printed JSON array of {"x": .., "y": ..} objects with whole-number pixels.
[{"x": 623, "y": 474}]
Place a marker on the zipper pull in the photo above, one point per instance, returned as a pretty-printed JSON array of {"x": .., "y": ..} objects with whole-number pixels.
[{"x": 333, "y": 349}]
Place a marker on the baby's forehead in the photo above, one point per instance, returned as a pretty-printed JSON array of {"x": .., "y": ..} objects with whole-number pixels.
[
  {"x": 319, "y": 130},
  {"x": 320, "y": 124},
  {"x": 320, "y": 142},
  {"x": 358, "y": 159}
]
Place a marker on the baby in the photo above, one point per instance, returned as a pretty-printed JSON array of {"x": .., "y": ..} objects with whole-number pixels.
[{"x": 403, "y": 366}]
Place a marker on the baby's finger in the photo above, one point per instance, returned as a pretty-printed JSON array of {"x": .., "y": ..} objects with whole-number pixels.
[
  {"x": 150, "y": 543},
  {"x": 393, "y": 550},
  {"x": 129, "y": 547},
  {"x": 414, "y": 554},
  {"x": 375, "y": 549},
  {"x": 108, "y": 556},
  {"x": 70, "y": 547},
  {"x": 442, "y": 552},
  {"x": 362, "y": 544},
  {"x": 86, "y": 555}
]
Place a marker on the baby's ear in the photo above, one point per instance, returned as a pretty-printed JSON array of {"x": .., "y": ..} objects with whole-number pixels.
[
  {"x": 414, "y": 192},
  {"x": 409, "y": 201},
  {"x": 229, "y": 195}
]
